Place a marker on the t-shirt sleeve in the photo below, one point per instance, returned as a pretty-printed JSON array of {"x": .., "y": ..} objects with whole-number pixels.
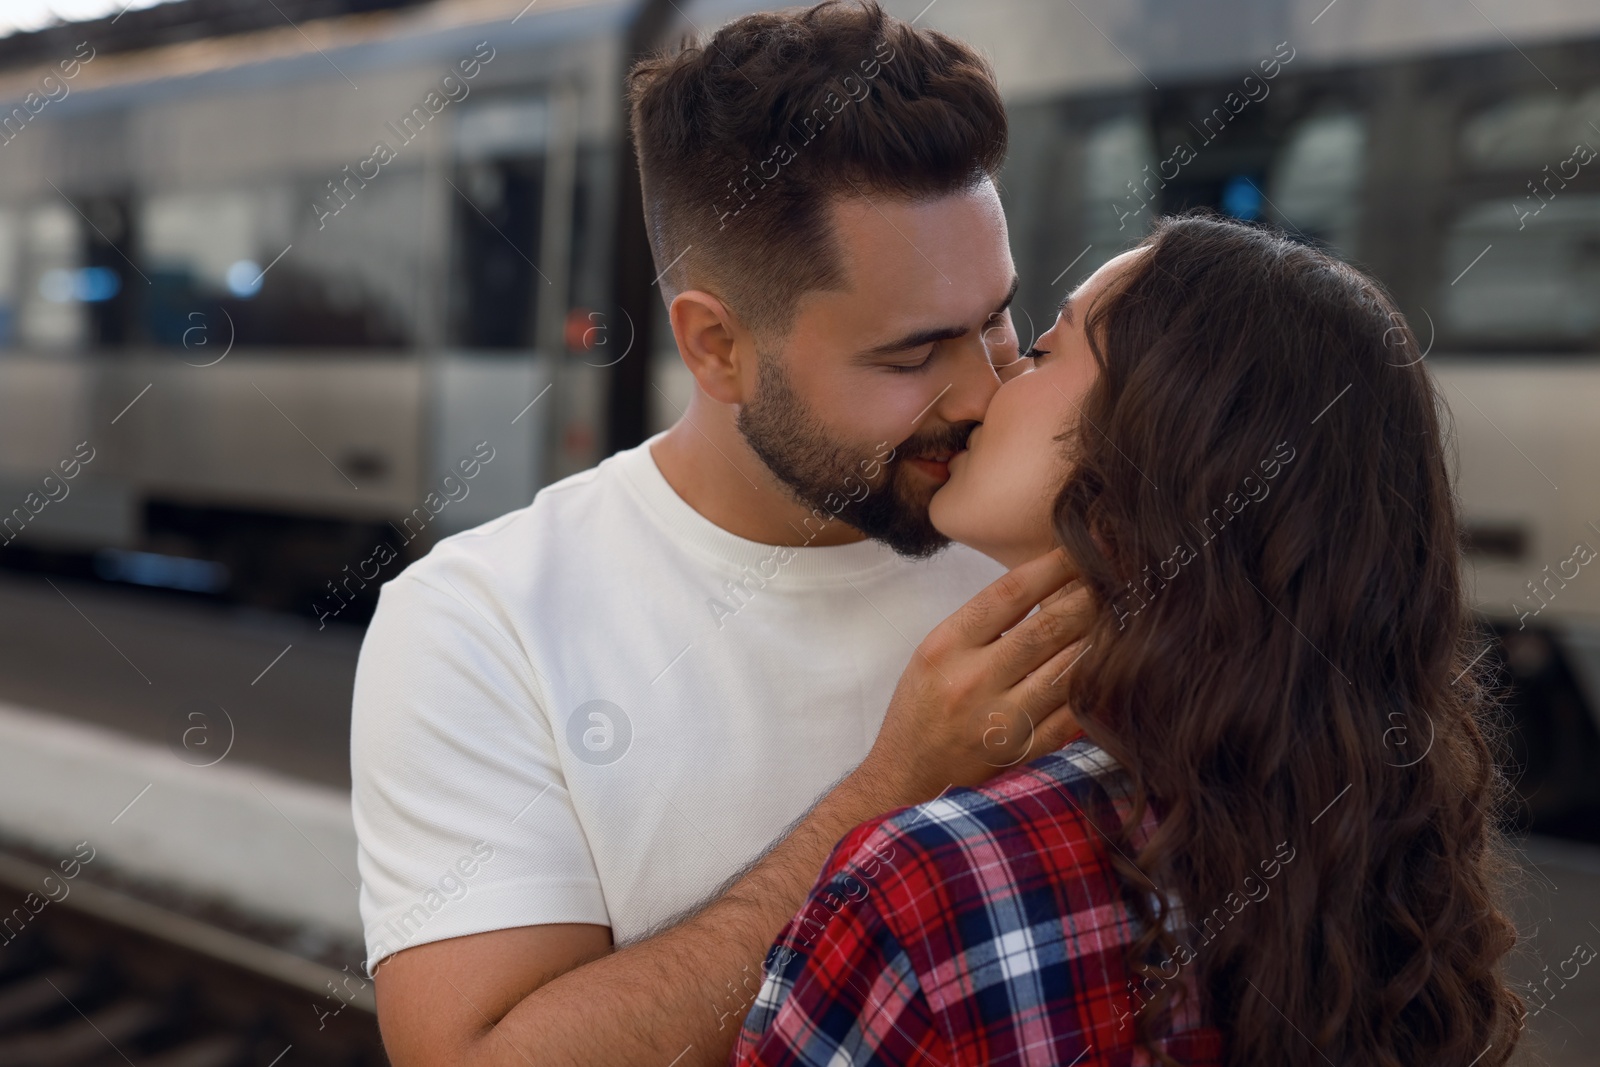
[{"x": 462, "y": 816}]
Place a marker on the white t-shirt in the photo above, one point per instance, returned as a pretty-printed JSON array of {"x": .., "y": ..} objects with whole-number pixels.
[{"x": 599, "y": 707}]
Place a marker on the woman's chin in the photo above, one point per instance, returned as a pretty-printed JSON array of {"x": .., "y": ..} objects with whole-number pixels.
[
  {"x": 944, "y": 505},
  {"x": 946, "y": 514}
]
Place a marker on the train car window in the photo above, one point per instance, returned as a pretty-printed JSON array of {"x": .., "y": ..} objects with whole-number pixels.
[
  {"x": 1117, "y": 207},
  {"x": 497, "y": 128},
  {"x": 1529, "y": 130},
  {"x": 498, "y": 205},
  {"x": 1520, "y": 262},
  {"x": 291, "y": 264},
  {"x": 198, "y": 248},
  {"x": 54, "y": 281},
  {"x": 102, "y": 283},
  {"x": 497, "y": 208},
  {"x": 1536, "y": 283},
  {"x": 1316, "y": 180}
]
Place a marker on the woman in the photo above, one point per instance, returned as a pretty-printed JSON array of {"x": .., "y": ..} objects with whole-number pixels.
[{"x": 1271, "y": 839}]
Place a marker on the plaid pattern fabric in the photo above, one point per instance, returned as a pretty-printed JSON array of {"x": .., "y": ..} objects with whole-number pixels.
[{"x": 985, "y": 927}]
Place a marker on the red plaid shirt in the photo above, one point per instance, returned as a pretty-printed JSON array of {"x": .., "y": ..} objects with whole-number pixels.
[{"x": 985, "y": 927}]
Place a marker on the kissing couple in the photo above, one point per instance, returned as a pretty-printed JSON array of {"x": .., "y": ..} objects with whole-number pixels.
[{"x": 918, "y": 697}]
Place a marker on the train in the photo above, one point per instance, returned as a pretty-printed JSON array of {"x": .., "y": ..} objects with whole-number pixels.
[{"x": 269, "y": 294}]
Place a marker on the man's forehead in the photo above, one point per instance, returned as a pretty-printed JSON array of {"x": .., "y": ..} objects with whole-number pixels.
[
  {"x": 914, "y": 264},
  {"x": 868, "y": 224}
]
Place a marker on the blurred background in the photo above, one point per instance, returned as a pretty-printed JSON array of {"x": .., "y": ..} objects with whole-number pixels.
[{"x": 271, "y": 269}]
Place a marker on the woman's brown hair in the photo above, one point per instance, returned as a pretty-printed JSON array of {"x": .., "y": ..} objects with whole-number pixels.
[{"x": 1286, "y": 663}]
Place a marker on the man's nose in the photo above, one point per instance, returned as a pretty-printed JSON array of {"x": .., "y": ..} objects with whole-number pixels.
[{"x": 973, "y": 384}]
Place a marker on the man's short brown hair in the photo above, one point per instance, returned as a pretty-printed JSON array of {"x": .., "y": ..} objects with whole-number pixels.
[{"x": 745, "y": 139}]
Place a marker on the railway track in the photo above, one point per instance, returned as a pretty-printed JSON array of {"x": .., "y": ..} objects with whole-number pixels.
[{"x": 102, "y": 978}]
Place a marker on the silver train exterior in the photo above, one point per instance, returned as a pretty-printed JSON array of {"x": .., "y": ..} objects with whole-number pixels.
[
  {"x": 154, "y": 202},
  {"x": 1438, "y": 145}
]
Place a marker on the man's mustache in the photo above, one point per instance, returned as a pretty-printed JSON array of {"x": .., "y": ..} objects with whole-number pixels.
[{"x": 946, "y": 440}]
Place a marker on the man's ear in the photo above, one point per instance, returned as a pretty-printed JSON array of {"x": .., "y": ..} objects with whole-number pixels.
[{"x": 713, "y": 344}]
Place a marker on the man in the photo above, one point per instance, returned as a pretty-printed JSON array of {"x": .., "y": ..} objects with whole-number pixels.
[{"x": 576, "y": 722}]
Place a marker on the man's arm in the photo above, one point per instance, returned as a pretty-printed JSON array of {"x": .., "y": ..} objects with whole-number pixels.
[
  {"x": 983, "y": 690},
  {"x": 840, "y": 986},
  {"x": 502, "y": 997},
  {"x": 433, "y": 997}
]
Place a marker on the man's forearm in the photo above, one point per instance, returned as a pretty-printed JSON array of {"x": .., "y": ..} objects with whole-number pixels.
[{"x": 679, "y": 997}]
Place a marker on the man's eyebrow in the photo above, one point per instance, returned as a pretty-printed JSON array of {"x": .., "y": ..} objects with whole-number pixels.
[{"x": 938, "y": 333}]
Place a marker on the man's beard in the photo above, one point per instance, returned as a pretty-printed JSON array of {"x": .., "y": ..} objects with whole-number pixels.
[{"x": 805, "y": 457}]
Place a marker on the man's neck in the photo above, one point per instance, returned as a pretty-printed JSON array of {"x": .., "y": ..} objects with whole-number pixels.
[{"x": 706, "y": 461}]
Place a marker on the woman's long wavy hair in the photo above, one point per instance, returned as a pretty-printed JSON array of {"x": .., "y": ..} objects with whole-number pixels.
[{"x": 1285, "y": 662}]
